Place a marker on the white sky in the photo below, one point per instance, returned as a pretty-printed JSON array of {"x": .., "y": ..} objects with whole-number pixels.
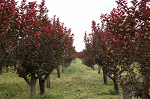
[{"x": 78, "y": 15}]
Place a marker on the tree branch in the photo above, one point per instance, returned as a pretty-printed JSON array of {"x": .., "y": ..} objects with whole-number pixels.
[
  {"x": 11, "y": 49},
  {"x": 110, "y": 77},
  {"x": 27, "y": 81},
  {"x": 45, "y": 77},
  {"x": 121, "y": 71}
]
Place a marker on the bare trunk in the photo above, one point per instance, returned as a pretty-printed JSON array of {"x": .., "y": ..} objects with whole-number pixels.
[
  {"x": 105, "y": 79},
  {"x": 146, "y": 87},
  {"x": 99, "y": 69},
  {"x": 1, "y": 65},
  {"x": 2, "y": 61},
  {"x": 116, "y": 87},
  {"x": 42, "y": 87},
  {"x": 63, "y": 68},
  {"x": 105, "y": 75},
  {"x": 127, "y": 93},
  {"x": 7, "y": 68},
  {"x": 0, "y": 70},
  {"x": 69, "y": 64},
  {"x": 58, "y": 72},
  {"x": 93, "y": 67},
  {"x": 48, "y": 82},
  {"x": 32, "y": 86},
  {"x": 14, "y": 64}
]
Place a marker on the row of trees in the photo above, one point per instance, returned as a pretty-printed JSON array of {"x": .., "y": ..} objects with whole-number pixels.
[
  {"x": 33, "y": 42},
  {"x": 121, "y": 45}
]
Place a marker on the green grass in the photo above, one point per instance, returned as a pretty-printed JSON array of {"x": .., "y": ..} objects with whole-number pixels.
[{"x": 78, "y": 82}]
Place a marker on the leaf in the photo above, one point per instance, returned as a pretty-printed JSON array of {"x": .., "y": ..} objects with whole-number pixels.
[
  {"x": 111, "y": 48},
  {"x": 104, "y": 56},
  {"x": 102, "y": 52},
  {"x": 120, "y": 19}
]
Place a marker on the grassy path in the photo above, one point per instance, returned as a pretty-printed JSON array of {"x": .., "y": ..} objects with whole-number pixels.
[
  {"x": 81, "y": 82},
  {"x": 78, "y": 82}
]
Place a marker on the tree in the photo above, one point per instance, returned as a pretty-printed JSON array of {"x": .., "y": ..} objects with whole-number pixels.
[
  {"x": 112, "y": 26},
  {"x": 69, "y": 57},
  {"x": 140, "y": 22},
  {"x": 43, "y": 44},
  {"x": 8, "y": 30},
  {"x": 81, "y": 54},
  {"x": 130, "y": 26},
  {"x": 127, "y": 29},
  {"x": 97, "y": 47}
]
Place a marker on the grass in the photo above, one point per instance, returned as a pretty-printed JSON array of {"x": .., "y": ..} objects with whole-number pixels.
[{"x": 78, "y": 82}]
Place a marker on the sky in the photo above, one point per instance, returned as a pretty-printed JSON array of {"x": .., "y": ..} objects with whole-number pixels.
[{"x": 78, "y": 15}]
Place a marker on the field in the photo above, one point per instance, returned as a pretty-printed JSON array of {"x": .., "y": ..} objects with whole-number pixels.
[{"x": 78, "y": 82}]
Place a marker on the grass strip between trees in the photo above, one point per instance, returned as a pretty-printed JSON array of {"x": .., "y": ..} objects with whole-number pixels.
[{"x": 77, "y": 82}]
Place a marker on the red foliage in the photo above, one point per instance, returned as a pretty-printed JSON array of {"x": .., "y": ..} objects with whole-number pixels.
[
  {"x": 39, "y": 43},
  {"x": 123, "y": 39}
]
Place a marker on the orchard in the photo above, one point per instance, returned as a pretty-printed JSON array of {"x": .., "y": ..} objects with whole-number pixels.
[
  {"x": 122, "y": 45},
  {"x": 35, "y": 45}
]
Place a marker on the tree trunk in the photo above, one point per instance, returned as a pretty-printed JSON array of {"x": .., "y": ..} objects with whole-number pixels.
[
  {"x": 32, "y": 86},
  {"x": 99, "y": 69},
  {"x": 63, "y": 68},
  {"x": 14, "y": 64},
  {"x": 127, "y": 93},
  {"x": 93, "y": 67},
  {"x": 7, "y": 69},
  {"x": 42, "y": 87},
  {"x": 58, "y": 72},
  {"x": 1, "y": 64},
  {"x": 0, "y": 69},
  {"x": 105, "y": 78},
  {"x": 146, "y": 87},
  {"x": 116, "y": 87},
  {"x": 48, "y": 82},
  {"x": 69, "y": 64},
  {"x": 105, "y": 75}
]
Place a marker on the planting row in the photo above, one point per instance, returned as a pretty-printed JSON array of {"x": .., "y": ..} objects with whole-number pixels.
[
  {"x": 32, "y": 42},
  {"x": 121, "y": 46}
]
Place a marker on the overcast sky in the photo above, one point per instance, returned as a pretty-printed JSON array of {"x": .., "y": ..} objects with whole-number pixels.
[{"x": 78, "y": 15}]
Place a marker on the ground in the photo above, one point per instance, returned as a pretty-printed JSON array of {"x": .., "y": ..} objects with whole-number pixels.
[{"x": 77, "y": 82}]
